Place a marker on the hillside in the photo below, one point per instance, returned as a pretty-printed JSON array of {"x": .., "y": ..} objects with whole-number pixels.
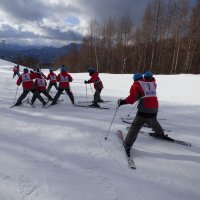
[{"x": 60, "y": 153}]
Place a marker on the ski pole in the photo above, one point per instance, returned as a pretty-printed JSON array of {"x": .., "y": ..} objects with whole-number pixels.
[
  {"x": 86, "y": 91},
  {"x": 131, "y": 110},
  {"x": 15, "y": 94},
  {"x": 91, "y": 89},
  {"x": 111, "y": 122}
]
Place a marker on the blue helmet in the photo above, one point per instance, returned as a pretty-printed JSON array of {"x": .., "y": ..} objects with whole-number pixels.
[
  {"x": 137, "y": 76},
  {"x": 63, "y": 68},
  {"x": 91, "y": 69},
  {"x": 25, "y": 69},
  {"x": 50, "y": 69},
  {"x": 148, "y": 74}
]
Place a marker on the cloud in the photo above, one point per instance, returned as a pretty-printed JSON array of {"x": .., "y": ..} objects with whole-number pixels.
[{"x": 59, "y": 22}]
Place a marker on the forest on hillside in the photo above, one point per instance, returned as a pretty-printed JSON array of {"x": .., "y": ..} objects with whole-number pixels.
[{"x": 166, "y": 41}]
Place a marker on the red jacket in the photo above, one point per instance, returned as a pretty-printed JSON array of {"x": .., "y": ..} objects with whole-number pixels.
[
  {"x": 40, "y": 83},
  {"x": 64, "y": 78},
  {"x": 16, "y": 69},
  {"x": 52, "y": 77},
  {"x": 145, "y": 92},
  {"x": 27, "y": 81},
  {"x": 96, "y": 80}
]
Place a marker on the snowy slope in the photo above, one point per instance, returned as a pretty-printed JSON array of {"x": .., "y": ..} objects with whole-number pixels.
[{"x": 60, "y": 153}]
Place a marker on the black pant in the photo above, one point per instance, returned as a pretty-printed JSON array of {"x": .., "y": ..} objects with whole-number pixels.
[
  {"x": 97, "y": 97},
  {"x": 137, "y": 125},
  {"x": 50, "y": 86},
  {"x": 67, "y": 90},
  {"x": 25, "y": 93},
  {"x": 16, "y": 74},
  {"x": 43, "y": 92}
]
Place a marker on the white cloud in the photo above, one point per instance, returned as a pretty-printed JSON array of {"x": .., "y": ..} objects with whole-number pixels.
[{"x": 53, "y": 19}]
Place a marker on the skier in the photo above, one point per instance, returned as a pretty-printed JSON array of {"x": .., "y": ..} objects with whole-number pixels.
[
  {"x": 38, "y": 69},
  {"x": 144, "y": 91},
  {"x": 52, "y": 77},
  {"x": 40, "y": 84},
  {"x": 98, "y": 85},
  {"x": 26, "y": 79},
  {"x": 16, "y": 71},
  {"x": 64, "y": 79}
]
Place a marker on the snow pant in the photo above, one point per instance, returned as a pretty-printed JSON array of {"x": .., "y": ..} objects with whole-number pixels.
[
  {"x": 25, "y": 93},
  {"x": 97, "y": 97},
  {"x": 16, "y": 74},
  {"x": 60, "y": 91},
  {"x": 50, "y": 86},
  {"x": 137, "y": 124},
  {"x": 43, "y": 92}
]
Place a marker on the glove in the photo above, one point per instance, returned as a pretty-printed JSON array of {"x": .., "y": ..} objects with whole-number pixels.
[
  {"x": 85, "y": 82},
  {"x": 121, "y": 102}
]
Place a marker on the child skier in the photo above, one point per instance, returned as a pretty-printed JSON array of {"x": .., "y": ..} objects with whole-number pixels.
[
  {"x": 144, "y": 91},
  {"x": 40, "y": 84},
  {"x": 98, "y": 85},
  {"x": 64, "y": 79},
  {"x": 52, "y": 77}
]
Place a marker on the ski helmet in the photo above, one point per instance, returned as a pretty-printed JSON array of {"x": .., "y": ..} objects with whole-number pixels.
[
  {"x": 137, "y": 76},
  {"x": 63, "y": 68},
  {"x": 148, "y": 74},
  {"x": 91, "y": 69},
  {"x": 26, "y": 69}
]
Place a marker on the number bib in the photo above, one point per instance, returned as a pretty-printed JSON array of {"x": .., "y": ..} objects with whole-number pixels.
[
  {"x": 64, "y": 79},
  {"x": 149, "y": 88}
]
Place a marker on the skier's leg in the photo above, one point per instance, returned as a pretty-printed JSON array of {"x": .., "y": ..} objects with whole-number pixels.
[
  {"x": 57, "y": 96},
  {"x": 22, "y": 96},
  {"x": 134, "y": 130},
  {"x": 70, "y": 94},
  {"x": 49, "y": 87},
  {"x": 156, "y": 126},
  {"x": 47, "y": 95},
  {"x": 37, "y": 94}
]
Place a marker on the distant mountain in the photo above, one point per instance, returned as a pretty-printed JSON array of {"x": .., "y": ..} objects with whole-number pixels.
[{"x": 43, "y": 54}]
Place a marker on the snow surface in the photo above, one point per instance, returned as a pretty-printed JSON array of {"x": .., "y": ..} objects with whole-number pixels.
[{"x": 60, "y": 153}]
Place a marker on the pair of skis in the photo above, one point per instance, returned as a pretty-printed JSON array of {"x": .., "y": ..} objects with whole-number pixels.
[{"x": 166, "y": 138}]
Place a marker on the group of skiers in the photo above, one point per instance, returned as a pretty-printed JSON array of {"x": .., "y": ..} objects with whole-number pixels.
[
  {"x": 63, "y": 78},
  {"x": 142, "y": 91}
]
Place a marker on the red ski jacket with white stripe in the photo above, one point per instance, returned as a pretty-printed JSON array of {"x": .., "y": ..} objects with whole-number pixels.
[
  {"x": 40, "y": 83},
  {"x": 64, "y": 78},
  {"x": 52, "y": 77},
  {"x": 27, "y": 81},
  {"x": 145, "y": 92}
]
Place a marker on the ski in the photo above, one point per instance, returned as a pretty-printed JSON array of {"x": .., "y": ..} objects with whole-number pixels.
[
  {"x": 167, "y": 138},
  {"x": 144, "y": 125},
  {"x": 88, "y": 106},
  {"x": 165, "y": 130},
  {"x": 129, "y": 159},
  {"x": 49, "y": 105},
  {"x": 92, "y": 101},
  {"x": 24, "y": 101},
  {"x": 130, "y": 118}
]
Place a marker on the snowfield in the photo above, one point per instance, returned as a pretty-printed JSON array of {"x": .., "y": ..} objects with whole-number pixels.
[{"x": 60, "y": 153}]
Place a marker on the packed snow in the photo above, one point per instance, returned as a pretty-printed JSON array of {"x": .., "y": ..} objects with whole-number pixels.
[{"x": 60, "y": 153}]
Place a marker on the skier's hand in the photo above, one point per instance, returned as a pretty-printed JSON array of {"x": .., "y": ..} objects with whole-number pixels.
[
  {"x": 85, "y": 82},
  {"x": 121, "y": 102}
]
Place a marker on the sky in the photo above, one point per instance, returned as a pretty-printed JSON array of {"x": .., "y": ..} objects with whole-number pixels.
[
  {"x": 60, "y": 153},
  {"x": 58, "y": 22}
]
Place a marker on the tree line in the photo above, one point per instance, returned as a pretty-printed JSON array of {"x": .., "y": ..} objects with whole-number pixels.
[{"x": 166, "y": 41}]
